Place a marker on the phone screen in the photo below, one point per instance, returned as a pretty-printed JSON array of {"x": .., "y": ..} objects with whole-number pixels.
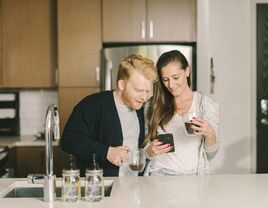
[{"x": 167, "y": 138}]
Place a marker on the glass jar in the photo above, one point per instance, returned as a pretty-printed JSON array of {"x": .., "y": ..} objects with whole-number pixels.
[
  {"x": 94, "y": 189},
  {"x": 71, "y": 188}
]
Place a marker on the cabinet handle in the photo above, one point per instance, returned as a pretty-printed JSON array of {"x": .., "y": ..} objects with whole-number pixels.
[
  {"x": 143, "y": 30},
  {"x": 56, "y": 77},
  {"x": 98, "y": 74},
  {"x": 151, "y": 25},
  {"x": 264, "y": 106},
  {"x": 264, "y": 121}
]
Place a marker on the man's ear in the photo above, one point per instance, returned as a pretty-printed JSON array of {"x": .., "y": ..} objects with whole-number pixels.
[
  {"x": 188, "y": 71},
  {"x": 121, "y": 84}
]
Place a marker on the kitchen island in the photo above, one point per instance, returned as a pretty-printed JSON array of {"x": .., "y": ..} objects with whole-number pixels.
[{"x": 217, "y": 191}]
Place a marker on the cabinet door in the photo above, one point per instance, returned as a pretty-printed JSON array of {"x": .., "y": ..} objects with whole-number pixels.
[
  {"x": 79, "y": 42},
  {"x": 173, "y": 20},
  {"x": 68, "y": 98},
  {"x": 33, "y": 160},
  {"x": 1, "y": 71},
  {"x": 29, "y": 43},
  {"x": 124, "y": 20}
]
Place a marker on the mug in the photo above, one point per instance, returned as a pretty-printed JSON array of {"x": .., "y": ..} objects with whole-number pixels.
[
  {"x": 187, "y": 117},
  {"x": 136, "y": 160}
]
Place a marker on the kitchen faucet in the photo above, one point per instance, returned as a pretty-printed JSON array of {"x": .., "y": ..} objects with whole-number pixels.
[{"x": 51, "y": 129}]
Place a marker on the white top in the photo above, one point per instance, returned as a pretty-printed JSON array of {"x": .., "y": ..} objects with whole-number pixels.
[
  {"x": 130, "y": 129},
  {"x": 184, "y": 161}
]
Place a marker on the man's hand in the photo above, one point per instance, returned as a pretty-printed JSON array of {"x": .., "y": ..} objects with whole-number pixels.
[{"x": 117, "y": 155}]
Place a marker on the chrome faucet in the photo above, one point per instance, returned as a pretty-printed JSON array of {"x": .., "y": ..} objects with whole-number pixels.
[{"x": 52, "y": 129}]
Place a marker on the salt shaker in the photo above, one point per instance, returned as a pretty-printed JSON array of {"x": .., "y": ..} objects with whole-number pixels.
[
  {"x": 94, "y": 188},
  {"x": 71, "y": 188}
]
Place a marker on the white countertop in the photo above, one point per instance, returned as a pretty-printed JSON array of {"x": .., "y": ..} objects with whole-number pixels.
[
  {"x": 217, "y": 191},
  {"x": 17, "y": 141}
]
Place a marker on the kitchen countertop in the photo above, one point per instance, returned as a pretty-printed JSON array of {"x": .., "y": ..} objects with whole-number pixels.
[
  {"x": 17, "y": 141},
  {"x": 217, "y": 191}
]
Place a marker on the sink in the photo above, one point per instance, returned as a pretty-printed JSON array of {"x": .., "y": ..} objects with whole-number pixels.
[
  {"x": 24, "y": 190},
  {"x": 28, "y": 192}
]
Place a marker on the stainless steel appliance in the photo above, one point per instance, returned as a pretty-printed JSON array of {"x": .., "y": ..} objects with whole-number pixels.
[{"x": 113, "y": 55}]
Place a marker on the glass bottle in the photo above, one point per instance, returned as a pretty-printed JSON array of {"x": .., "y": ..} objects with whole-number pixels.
[
  {"x": 94, "y": 188},
  {"x": 71, "y": 187}
]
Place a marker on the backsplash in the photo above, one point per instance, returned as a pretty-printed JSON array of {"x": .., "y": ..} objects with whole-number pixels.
[{"x": 33, "y": 107}]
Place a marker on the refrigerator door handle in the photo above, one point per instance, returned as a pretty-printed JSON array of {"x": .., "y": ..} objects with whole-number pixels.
[{"x": 108, "y": 75}]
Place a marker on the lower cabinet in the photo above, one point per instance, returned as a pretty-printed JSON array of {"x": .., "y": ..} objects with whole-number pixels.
[
  {"x": 69, "y": 97},
  {"x": 30, "y": 159}
]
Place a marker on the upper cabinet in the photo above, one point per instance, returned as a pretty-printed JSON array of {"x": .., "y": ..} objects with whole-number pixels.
[
  {"x": 28, "y": 43},
  {"x": 149, "y": 20},
  {"x": 79, "y": 42},
  {"x": 171, "y": 20},
  {"x": 124, "y": 20}
]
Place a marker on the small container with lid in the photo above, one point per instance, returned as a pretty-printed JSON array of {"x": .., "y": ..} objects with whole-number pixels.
[
  {"x": 94, "y": 188},
  {"x": 71, "y": 188}
]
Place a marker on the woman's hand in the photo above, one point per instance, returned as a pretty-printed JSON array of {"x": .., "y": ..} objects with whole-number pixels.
[
  {"x": 202, "y": 127},
  {"x": 157, "y": 148}
]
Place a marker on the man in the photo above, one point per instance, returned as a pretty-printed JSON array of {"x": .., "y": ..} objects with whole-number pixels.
[{"x": 110, "y": 123}]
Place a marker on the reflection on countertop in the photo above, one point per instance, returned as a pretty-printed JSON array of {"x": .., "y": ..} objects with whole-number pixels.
[{"x": 25, "y": 140}]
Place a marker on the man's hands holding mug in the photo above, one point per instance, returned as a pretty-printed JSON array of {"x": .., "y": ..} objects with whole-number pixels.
[{"x": 117, "y": 155}]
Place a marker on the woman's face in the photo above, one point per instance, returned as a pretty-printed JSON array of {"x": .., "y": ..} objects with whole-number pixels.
[{"x": 175, "y": 78}]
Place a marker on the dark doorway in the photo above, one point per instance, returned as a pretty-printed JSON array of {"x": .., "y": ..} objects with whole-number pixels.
[{"x": 262, "y": 88}]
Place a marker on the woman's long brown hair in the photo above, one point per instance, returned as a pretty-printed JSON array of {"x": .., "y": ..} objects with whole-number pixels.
[{"x": 161, "y": 108}]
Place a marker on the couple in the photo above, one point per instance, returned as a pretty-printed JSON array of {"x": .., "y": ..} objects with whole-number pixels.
[{"x": 110, "y": 123}]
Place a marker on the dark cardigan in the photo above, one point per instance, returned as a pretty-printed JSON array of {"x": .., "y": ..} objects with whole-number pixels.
[{"x": 93, "y": 126}]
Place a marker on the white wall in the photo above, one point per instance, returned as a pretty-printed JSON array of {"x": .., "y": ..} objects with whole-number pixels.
[
  {"x": 224, "y": 34},
  {"x": 33, "y": 106}
]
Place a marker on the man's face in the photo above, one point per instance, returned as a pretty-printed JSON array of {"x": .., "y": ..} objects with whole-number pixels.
[{"x": 135, "y": 91}]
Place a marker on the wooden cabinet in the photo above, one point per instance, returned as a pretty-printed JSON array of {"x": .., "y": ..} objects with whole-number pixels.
[
  {"x": 123, "y": 20},
  {"x": 149, "y": 20},
  {"x": 79, "y": 42},
  {"x": 31, "y": 159},
  {"x": 172, "y": 20},
  {"x": 1, "y": 70},
  {"x": 68, "y": 98},
  {"x": 28, "y": 43},
  {"x": 79, "y": 49}
]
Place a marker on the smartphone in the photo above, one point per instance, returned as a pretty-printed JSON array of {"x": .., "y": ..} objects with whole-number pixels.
[{"x": 167, "y": 138}]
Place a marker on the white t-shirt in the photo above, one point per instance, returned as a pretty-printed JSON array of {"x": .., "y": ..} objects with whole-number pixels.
[{"x": 185, "y": 158}]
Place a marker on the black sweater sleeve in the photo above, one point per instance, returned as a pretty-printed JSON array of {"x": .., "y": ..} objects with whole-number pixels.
[{"x": 80, "y": 133}]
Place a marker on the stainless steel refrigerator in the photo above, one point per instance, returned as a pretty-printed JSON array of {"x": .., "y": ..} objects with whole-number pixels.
[{"x": 112, "y": 56}]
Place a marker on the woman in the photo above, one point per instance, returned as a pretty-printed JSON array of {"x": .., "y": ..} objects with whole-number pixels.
[{"x": 172, "y": 98}]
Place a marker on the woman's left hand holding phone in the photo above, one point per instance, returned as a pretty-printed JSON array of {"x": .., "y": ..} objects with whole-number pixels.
[{"x": 157, "y": 148}]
